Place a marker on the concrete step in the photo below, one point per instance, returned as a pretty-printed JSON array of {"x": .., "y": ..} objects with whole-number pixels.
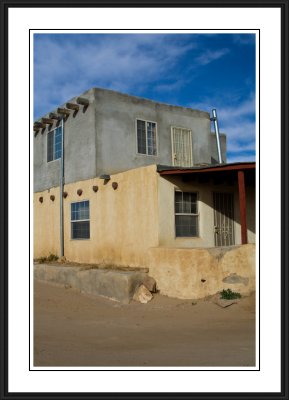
[{"x": 113, "y": 284}]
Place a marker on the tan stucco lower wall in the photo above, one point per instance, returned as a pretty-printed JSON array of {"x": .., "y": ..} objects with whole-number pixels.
[
  {"x": 46, "y": 220},
  {"x": 123, "y": 222},
  {"x": 197, "y": 273},
  {"x": 133, "y": 226}
]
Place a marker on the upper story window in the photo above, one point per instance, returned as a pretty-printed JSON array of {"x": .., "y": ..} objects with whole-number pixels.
[
  {"x": 146, "y": 137},
  {"x": 54, "y": 144},
  {"x": 186, "y": 214},
  {"x": 182, "y": 147},
  {"x": 80, "y": 222}
]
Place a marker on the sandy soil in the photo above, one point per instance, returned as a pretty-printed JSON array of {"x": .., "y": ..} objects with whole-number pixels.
[{"x": 73, "y": 329}]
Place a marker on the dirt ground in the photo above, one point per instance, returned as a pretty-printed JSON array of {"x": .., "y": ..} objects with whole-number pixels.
[{"x": 73, "y": 329}]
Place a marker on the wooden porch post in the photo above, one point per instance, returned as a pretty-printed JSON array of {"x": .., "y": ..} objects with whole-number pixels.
[{"x": 243, "y": 213}]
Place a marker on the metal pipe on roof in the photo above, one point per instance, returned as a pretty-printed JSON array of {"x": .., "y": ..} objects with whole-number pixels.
[{"x": 215, "y": 120}]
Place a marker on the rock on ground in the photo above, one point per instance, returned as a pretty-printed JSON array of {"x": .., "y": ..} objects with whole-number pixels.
[{"x": 142, "y": 294}]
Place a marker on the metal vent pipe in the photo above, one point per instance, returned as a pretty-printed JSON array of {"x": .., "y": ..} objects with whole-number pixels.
[{"x": 215, "y": 120}]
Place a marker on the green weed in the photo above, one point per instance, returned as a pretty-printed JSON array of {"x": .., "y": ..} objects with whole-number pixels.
[{"x": 230, "y": 295}]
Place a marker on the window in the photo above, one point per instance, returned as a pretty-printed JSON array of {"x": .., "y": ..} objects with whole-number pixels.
[
  {"x": 186, "y": 214},
  {"x": 146, "y": 137},
  {"x": 80, "y": 224},
  {"x": 54, "y": 144},
  {"x": 182, "y": 147}
]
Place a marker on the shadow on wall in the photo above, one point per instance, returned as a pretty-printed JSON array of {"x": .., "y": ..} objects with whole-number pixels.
[{"x": 227, "y": 182}]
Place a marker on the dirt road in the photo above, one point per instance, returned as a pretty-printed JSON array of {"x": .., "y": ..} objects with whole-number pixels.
[{"x": 72, "y": 329}]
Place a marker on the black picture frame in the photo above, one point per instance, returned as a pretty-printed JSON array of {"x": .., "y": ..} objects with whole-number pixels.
[{"x": 283, "y": 5}]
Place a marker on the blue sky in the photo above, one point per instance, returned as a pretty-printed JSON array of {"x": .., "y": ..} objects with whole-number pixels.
[{"x": 201, "y": 71}]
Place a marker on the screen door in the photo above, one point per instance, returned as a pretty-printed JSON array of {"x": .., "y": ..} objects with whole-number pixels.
[{"x": 224, "y": 219}]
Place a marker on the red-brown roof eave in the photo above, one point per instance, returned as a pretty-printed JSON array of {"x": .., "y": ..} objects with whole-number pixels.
[{"x": 207, "y": 169}]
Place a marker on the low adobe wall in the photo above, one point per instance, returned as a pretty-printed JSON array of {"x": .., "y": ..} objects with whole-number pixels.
[
  {"x": 197, "y": 273},
  {"x": 113, "y": 284}
]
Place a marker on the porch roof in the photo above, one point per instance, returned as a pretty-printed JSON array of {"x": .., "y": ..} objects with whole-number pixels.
[{"x": 169, "y": 170}]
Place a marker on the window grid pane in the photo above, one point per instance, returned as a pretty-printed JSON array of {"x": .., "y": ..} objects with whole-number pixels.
[
  {"x": 186, "y": 218},
  {"x": 57, "y": 143},
  {"x": 54, "y": 144},
  {"x": 80, "y": 211},
  {"x": 80, "y": 224},
  {"x": 146, "y": 138},
  {"x": 151, "y": 138}
]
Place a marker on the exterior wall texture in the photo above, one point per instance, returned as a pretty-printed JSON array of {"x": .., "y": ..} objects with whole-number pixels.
[
  {"x": 134, "y": 226},
  {"x": 123, "y": 222},
  {"x": 197, "y": 273},
  {"x": 102, "y": 140},
  {"x": 79, "y": 149}
]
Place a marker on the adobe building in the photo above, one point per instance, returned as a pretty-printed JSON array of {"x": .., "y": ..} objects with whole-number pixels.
[{"x": 137, "y": 183}]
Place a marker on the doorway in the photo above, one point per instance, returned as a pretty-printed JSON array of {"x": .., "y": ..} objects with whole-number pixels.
[{"x": 224, "y": 219}]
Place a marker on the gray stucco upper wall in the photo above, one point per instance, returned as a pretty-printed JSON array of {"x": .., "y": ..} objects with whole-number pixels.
[
  {"x": 116, "y": 116},
  {"x": 103, "y": 139},
  {"x": 79, "y": 149}
]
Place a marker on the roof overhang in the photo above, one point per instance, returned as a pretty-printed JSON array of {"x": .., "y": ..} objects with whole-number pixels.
[{"x": 169, "y": 170}]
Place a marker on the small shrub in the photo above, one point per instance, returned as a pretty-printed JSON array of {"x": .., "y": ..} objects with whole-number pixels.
[
  {"x": 52, "y": 257},
  {"x": 229, "y": 295}
]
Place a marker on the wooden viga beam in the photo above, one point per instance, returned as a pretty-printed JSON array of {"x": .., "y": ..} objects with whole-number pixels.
[
  {"x": 47, "y": 121},
  {"x": 39, "y": 125},
  {"x": 55, "y": 116},
  {"x": 81, "y": 100},
  {"x": 64, "y": 111},
  {"x": 72, "y": 106}
]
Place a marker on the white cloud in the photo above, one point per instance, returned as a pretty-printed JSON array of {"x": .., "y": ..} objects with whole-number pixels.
[
  {"x": 209, "y": 56},
  {"x": 170, "y": 86},
  {"x": 237, "y": 122},
  {"x": 64, "y": 69}
]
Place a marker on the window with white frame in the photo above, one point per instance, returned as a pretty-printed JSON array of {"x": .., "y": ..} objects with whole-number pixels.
[
  {"x": 186, "y": 214},
  {"x": 54, "y": 144},
  {"x": 146, "y": 137},
  {"x": 80, "y": 222}
]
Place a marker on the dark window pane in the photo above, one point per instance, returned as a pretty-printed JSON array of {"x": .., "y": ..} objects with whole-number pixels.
[
  {"x": 178, "y": 202},
  {"x": 187, "y": 203},
  {"x": 80, "y": 230},
  {"x": 141, "y": 137},
  {"x": 186, "y": 225},
  {"x": 50, "y": 140}
]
